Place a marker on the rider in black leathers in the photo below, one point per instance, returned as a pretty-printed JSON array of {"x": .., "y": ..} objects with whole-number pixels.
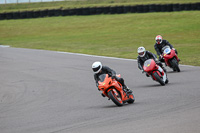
[
  {"x": 144, "y": 55},
  {"x": 98, "y": 69},
  {"x": 160, "y": 43}
]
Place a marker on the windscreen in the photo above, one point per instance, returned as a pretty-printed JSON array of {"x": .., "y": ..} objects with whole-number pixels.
[
  {"x": 147, "y": 63},
  {"x": 102, "y": 77},
  {"x": 167, "y": 50},
  {"x": 166, "y": 47}
]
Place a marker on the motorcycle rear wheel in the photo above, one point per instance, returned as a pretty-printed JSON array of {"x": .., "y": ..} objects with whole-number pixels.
[
  {"x": 175, "y": 65},
  {"x": 116, "y": 100},
  {"x": 158, "y": 78}
]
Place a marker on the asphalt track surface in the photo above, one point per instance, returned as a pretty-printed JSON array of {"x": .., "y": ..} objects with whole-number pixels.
[{"x": 54, "y": 92}]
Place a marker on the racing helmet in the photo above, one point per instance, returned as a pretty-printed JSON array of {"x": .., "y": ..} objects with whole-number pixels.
[
  {"x": 158, "y": 39},
  {"x": 96, "y": 67},
  {"x": 141, "y": 51}
]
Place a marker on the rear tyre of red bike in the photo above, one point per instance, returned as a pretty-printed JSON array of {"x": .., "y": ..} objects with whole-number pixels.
[
  {"x": 158, "y": 78},
  {"x": 115, "y": 99},
  {"x": 175, "y": 65}
]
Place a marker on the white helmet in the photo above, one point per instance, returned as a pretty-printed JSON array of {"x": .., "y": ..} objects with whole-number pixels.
[
  {"x": 158, "y": 39},
  {"x": 96, "y": 67},
  {"x": 141, "y": 51}
]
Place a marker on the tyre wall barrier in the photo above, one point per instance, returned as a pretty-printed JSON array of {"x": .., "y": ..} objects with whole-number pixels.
[{"x": 101, "y": 10}]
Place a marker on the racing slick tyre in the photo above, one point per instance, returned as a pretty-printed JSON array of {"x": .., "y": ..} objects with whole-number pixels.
[
  {"x": 175, "y": 65},
  {"x": 117, "y": 100},
  {"x": 158, "y": 78}
]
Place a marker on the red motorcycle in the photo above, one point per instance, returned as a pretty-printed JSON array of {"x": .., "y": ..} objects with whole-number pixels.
[
  {"x": 171, "y": 58},
  {"x": 155, "y": 71},
  {"x": 114, "y": 90}
]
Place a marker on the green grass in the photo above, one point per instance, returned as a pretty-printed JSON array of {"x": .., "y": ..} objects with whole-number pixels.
[
  {"x": 107, "y": 35},
  {"x": 83, "y": 3}
]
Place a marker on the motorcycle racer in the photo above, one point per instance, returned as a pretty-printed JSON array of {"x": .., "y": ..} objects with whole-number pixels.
[
  {"x": 99, "y": 69},
  {"x": 160, "y": 43},
  {"x": 144, "y": 55}
]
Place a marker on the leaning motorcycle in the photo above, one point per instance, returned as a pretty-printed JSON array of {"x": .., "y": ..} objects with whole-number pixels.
[
  {"x": 114, "y": 90},
  {"x": 155, "y": 71},
  {"x": 171, "y": 58}
]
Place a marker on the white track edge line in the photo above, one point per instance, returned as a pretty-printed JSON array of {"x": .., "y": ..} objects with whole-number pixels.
[
  {"x": 109, "y": 57},
  {"x": 7, "y": 46},
  {"x": 97, "y": 56}
]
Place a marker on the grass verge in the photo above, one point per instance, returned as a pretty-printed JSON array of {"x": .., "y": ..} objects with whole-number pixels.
[{"x": 107, "y": 35}]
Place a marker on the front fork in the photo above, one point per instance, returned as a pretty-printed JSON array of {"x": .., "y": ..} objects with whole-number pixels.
[
  {"x": 115, "y": 93},
  {"x": 124, "y": 97}
]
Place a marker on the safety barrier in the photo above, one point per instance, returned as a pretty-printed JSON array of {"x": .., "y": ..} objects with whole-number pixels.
[{"x": 101, "y": 10}]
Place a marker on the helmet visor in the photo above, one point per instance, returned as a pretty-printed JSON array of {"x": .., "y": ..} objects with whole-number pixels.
[
  {"x": 141, "y": 53},
  {"x": 158, "y": 41},
  {"x": 96, "y": 69}
]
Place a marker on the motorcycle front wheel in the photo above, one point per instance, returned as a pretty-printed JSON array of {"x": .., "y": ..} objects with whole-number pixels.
[
  {"x": 158, "y": 78},
  {"x": 115, "y": 98}
]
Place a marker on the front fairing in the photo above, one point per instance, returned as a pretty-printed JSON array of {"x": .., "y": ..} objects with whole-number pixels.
[
  {"x": 166, "y": 50},
  {"x": 102, "y": 77},
  {"x": 167, "y": 54},
  {"x": 107, "y": 84},
  {"x": 149, "y": 65},
  {"x": 116, "y": 85},
  {"x": 104, "y": 81}
]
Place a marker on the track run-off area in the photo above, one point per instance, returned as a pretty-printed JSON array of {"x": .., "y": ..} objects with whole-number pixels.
[{"x": 54, "y": 92}]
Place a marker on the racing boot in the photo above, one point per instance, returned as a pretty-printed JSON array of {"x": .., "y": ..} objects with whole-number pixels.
[
  {"x": 167, "y": 80},
  {"x": 127, "y": 90}
]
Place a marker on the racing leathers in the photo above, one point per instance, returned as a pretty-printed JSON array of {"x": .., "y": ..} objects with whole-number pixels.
[
  {"x": 148, "y": 55},
  {"x": 111, "y": 73},
  {"x": 158, "y": 48}
]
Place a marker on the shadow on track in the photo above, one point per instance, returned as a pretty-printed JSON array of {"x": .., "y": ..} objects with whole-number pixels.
[
  {"x": 112, "y": 106},
  {"x": 174, "y": 72},
  {"x": 156, "y": 85},
  {"x": 147, "y": 86}
]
